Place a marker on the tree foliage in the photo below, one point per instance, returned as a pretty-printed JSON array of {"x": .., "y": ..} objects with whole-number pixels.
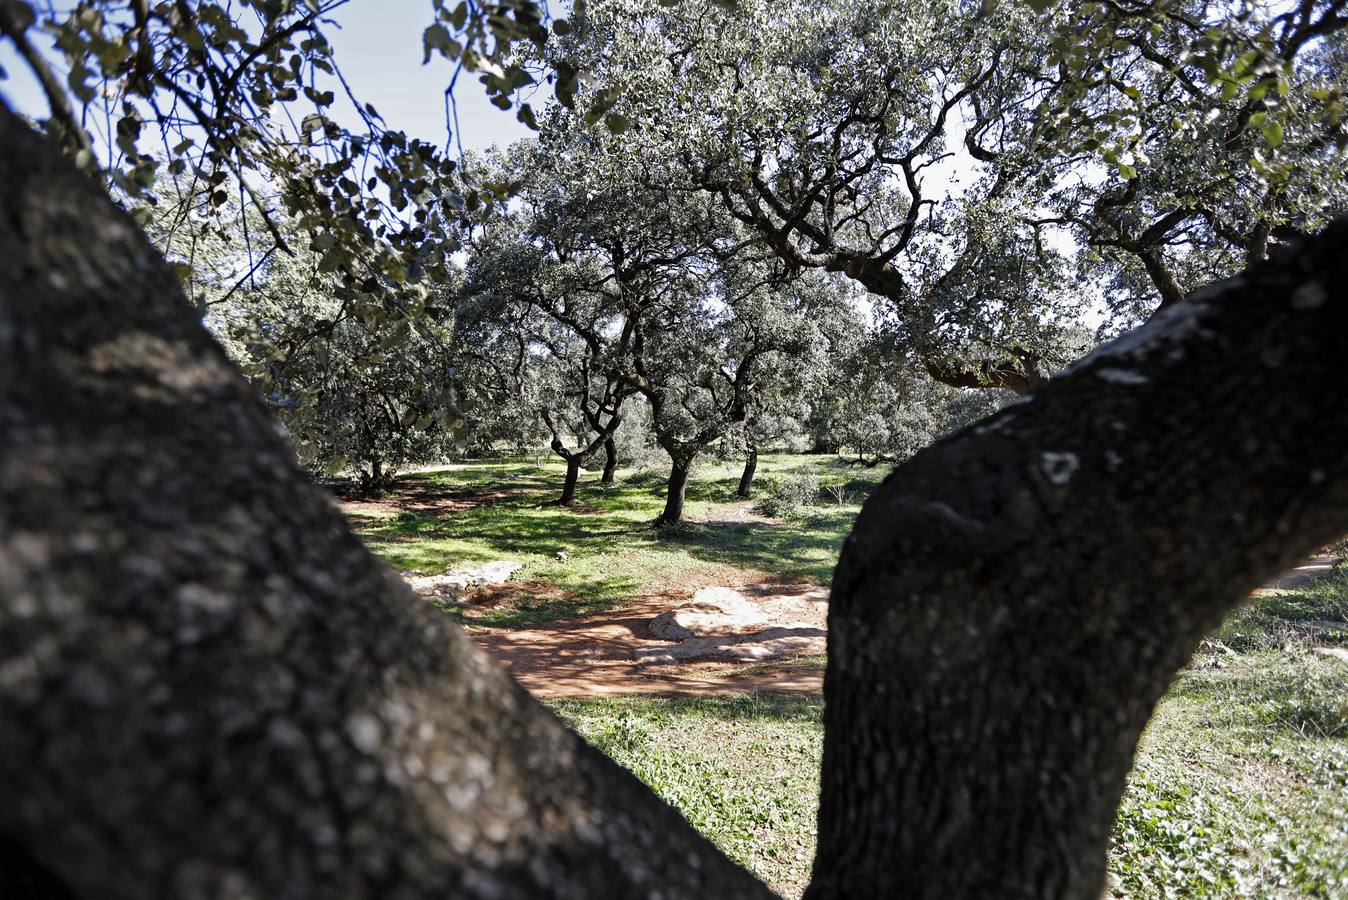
[{"x": 953, "y": 158}]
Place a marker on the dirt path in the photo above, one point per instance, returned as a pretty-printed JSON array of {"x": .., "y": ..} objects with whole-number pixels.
[
  {"x": 597, "y": 656},
  {"x": 1303, "y": 574}
]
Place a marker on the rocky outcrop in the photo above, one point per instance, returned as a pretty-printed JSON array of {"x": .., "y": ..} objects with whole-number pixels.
[
  {"x": 712, "y": 611},
  {"x": 759, "y": 646},
  {"x": 720, "y": 623},
  {"x": 450, "y": 586}
]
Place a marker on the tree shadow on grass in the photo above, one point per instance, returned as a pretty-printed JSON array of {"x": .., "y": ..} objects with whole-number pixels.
[
  {"x": 806, "y": 549},
  {"x": 610, "y": 548}
]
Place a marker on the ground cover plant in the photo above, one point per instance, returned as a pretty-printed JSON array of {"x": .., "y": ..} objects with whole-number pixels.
[
  {"x": 855, "y": 226},
  {"x": 606, "y": 549},
  {"x": 1240, "y": 788}
]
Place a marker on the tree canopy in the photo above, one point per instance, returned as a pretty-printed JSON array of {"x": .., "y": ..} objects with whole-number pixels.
[{"x": 865, "y": 219}]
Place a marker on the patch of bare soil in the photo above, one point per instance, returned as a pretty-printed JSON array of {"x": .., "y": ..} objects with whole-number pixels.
[
  {"x": 600, "y": 655},
  {"x": 613, "y": 653},
  {"x": 1303, "y": 574}
]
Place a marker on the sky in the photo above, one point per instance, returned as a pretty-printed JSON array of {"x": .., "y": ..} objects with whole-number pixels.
[{"x": 378, "y": 46}]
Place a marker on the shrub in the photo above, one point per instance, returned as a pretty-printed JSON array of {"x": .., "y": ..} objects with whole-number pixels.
[{"x": 785, "y": 497}]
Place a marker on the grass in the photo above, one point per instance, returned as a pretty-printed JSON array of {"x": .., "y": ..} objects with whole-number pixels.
[
  {"x": 1240, "y": 784},
  {"x": 589, "y": 558},
  {"x": 1240, "y": 788},
  {"x": 743, "y": 771}
]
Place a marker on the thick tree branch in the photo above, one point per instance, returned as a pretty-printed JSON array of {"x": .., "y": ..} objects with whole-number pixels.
[
  {"x": 1014, "y": 600},
  {"x": 208, "y": 687}
]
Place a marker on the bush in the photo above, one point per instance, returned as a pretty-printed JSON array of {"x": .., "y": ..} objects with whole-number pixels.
[{"x": 785, "y": 497}]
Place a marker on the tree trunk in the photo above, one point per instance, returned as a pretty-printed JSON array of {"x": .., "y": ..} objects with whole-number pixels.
[
  {"x": 374, "y": 479},
  {"x": 674, "y": 491},
  {"x": 747, "y": 478},
  {"x": 569, "y": 486},
  {"x": 208, "y": 687},
  {"x": 610, "y": 461},
  {"x": 1014, "y": 600}
]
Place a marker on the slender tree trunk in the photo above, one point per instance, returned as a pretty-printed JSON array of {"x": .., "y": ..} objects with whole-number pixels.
[
  {"x": 569, "y": 486},
  {"x": 747, "y": 478},
  {"x": 674, "y": 491},
  {"x": 208, "y": 687},
  {"x": 1014, "y": 600},
  {"x": 610, "y": 461}
]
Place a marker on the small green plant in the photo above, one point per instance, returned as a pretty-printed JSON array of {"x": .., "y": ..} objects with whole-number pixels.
[
  {"x": 1310, "y": 699},
  {"x": 623, "y": 732},
  {"x": 786, "y": 497}
]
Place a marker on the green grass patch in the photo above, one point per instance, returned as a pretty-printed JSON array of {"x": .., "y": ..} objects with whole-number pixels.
[
  {"x": 1240, "y": 787},
  {"x": 743, "y": 771},
  {"x": 605, "y": 549},
  {"x": 1228, "y": 797},
  {"x": 1296, "y": 615}
]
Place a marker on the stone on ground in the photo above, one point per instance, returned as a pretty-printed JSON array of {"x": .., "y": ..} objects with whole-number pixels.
[
  {"x": 758, "y": 646},
  {"x": 712, "y": 611},
  {"x": 719, "y": 623},
  {"x": 448, "y": 587}
]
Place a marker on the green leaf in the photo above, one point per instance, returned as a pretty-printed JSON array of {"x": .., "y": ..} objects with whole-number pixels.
[
  {"x": 459, "y": 16},
  {"x": 436, "y": 39},
  {"x": 1273, "y": 134}
]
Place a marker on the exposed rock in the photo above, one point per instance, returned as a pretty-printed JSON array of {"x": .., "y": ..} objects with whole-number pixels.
[
  {"x": 448, "y": 587},
  {"x": 719, "y": 623},
  {"x": 1338, "y": 653},
  {"x": 771, "y": 643},
  {"x": 791, "y": 602},
  {"x": 712, "y": 611}
]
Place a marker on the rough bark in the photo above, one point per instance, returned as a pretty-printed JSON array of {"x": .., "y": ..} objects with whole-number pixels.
[
  {"x": 1014, "y": 600},
  {"x": 569, "y": 485},
  {"x": 208, "y": 687},
  {"x": 1019, "y": 376},
  {"x": 576, "y": 458},
  {"x": 747, "y": 476},
  {"x": 674, "y": 491},
  {"x": 610, "y": 461}
]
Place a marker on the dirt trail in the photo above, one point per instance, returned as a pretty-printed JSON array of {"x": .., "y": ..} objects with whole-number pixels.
[
  {"x": 596, "y": 656},
  {"x": 1303, "y": 574}
]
